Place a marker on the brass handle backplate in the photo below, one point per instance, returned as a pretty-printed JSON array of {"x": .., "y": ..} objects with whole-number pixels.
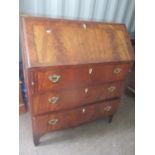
[
  {"x": 117, "y": 70},
  {"x": 107, "y": 108},
  {"x": 53, "y": 121},
  {"x": 53, "y": 99},
  {"x": 54, "y": 78},
  {"x": 111, "y": 88}
]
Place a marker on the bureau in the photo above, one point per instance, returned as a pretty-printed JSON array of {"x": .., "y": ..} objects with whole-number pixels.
[{"x": 74, "y": 71}]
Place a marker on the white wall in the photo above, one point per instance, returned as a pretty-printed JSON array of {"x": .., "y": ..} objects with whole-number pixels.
[{"x": 121, "y": 11}]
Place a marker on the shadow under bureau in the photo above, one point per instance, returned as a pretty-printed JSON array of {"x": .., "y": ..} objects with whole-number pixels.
[{"x": 74, "y": 71}]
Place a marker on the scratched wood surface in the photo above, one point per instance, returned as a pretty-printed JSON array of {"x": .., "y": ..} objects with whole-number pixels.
[{"x": 50, "y": 42}]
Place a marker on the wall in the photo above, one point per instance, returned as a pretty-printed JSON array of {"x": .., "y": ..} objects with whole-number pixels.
[{"x": 120, "y": 11}]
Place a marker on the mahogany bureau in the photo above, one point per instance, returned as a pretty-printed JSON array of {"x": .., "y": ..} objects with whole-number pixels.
[{"x": 74, "y": 71}]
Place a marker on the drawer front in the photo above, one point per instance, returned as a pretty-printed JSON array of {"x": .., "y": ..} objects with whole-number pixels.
[
  {"x": 80, "y": 76},
  {"x": 55, "y": 101},
  {"x": 71, "y": 118},
  {"x": 109, "y": 73},
  {"x": 62, "y": 78}
]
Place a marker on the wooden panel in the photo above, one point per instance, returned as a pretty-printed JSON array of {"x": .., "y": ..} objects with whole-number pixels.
[
  {"x": 76, "y": 97},
  {"x": 80, "y": 76},
  {"x": 107, "y": 73},
  {"x": 22, "y": 108},
  {"x": 70, "y": 78},
  {"x": 52, "y": 42},
  {"x": 75, "y": 117}
]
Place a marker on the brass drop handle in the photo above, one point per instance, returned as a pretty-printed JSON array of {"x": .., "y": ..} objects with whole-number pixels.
[
  {"x": 53, "y": 121},
  {"x": 54, "y": 78},
  {"x": 111, "y": 89},
  {"x": 117, "y": 70},
  {"x": 107, "y": 108},
  {"x": 53, "y": 100}
]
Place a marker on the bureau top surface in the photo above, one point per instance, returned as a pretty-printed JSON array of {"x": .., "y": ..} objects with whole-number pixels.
[{"x": 54, "y": 42}]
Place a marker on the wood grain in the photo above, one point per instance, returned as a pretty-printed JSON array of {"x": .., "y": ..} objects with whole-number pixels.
[
  {"x": 71, "y": 118},
  {"x": 75, "y": 77},
  {"x": 73, "y": 98},
  {"x": 55, "y": 42}
]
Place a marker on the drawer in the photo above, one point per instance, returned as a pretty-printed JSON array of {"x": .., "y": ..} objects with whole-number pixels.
[
  {"x": 108, "y": 73},
  {"x": 71, "y": 118},
  {"x": 60, "y": 100},
  {"x": 56, "y": 79},
  {"x": 74, "y": 77}
]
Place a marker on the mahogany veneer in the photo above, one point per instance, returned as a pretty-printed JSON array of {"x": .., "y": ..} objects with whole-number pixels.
[{"x": 74, "y": 70}]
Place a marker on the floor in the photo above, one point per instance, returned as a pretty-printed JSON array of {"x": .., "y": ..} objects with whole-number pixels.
[{"x": 95, "y": 138}]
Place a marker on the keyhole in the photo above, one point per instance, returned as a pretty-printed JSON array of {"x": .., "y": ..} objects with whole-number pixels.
[
  {"x": 83, "y": 110},
  {"x": 32, "y": 83},
  {"x": 90, "y": 70},
  {"x": 84, "y": 26},
  {"x": 48, "y": 31},
  {"x": 86, "y": 90}
]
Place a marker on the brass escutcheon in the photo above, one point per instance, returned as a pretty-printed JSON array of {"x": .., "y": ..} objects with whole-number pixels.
[
  {"x": 86, "y": 90},
  {"x": 84, "y": 26},
  {"x": 83, "y": 110},
  {"x": 48, "y": 31},
  {"x": 90, "y": 70}
]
